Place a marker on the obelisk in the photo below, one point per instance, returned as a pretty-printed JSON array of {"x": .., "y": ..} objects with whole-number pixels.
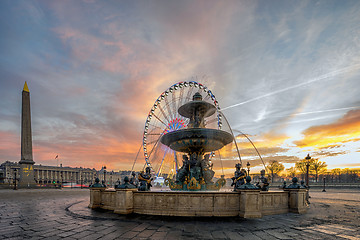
[{"x": 26, "y": 162}]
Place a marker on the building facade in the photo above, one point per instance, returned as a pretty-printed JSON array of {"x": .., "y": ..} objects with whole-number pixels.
[
  {"x": 66, "y": 176},
  {"x": 45, "y": 175}
]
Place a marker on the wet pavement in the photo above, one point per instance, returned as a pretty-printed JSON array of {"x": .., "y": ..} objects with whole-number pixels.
[{"x": 63, "y": 214}]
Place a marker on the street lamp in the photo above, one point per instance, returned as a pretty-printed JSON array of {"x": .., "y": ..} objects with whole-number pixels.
[
  {"x": 307, "y": 169},
  {"x": 81, "y": 180},
  {"x": 62, "y": 182},
  {"x": 324, "y": 186},
  {"x": 105, "y": 174},
  {"x": 15, "y": 179},
  {"x": 111, "y": 179},
  {"x": 248, "y": 167}
]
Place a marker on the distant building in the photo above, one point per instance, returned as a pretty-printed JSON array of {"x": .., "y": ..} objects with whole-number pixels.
[
  {"x": 52, "y": 175},
  {"x": 45, "y": 175}
]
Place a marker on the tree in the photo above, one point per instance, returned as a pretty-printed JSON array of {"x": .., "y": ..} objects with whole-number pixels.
[
  {"x": 317, "y": 167},
  {"x": 275, "y": 168},
  {"x": 291, "y": 172},
  {"x": 336, "y": 171},
  {"x": 301, "y": 166}
]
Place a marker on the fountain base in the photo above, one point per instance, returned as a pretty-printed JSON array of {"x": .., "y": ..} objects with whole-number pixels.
[{"x": 244, "y": 203}]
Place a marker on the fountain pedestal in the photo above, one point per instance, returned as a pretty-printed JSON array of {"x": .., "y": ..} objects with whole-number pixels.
[
  {"x": 95, "y": 197},
  {"x": 297, "y": 200},
  {"x": 250, "y": 204},
  {"x": 124, "y": 201}
]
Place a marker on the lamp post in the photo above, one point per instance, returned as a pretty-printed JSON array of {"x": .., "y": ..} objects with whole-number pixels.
[
  {"x": 15, "y": 178},
  {"x": 248, "y": 168},
  {"x": 307, "y": 169},
  {"x": 111, "y": 182},
  {"x": 61, "y": 174},
  {"x": 324, "y": 186},
  {"x": 81, "y": 180},
  {"x": 105, "y": 174}
]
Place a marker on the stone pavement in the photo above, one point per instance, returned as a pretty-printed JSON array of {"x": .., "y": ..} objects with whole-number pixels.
[{"x": 63, "y": 214}]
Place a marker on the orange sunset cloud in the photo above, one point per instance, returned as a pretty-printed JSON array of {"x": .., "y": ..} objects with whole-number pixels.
[{"x": 343, "y": 130}]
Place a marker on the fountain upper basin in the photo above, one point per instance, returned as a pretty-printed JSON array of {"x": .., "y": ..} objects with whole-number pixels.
[{"x": 196, "y": 140}]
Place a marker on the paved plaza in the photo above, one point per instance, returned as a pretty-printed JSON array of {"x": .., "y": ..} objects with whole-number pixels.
[{"x": 63, "y": 214}]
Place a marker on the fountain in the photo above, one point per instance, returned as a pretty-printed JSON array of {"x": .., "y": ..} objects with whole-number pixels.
[
  {"x": 195, "y": 140},
  {"x": 173, "y": 128}
]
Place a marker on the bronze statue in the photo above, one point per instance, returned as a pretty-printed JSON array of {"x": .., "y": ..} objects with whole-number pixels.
[
  {"x": 97, "y": 184},
  {"x": 126, "y": 184},
  {"x": 263, "y": 183},
  {"x": 239, "y": 177},
  {"x": 134, "y": 180},
  {"x": 145, "y": 180},
  {"x": 195, "y": 169},
  {"x": 206, "y": 169},
  {"x": 247, "y": 185},
  {"x": 183, "y": 171},
  {"x": 117, "y": 183},
  {"x": 295, "y": 184}
]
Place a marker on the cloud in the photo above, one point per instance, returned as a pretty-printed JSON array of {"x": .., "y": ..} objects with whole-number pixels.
[
  {"x": 333, "y": 146},
  {"x": 345, "y": 129},
  {"x": 352, "y": 165},
  {"x": 9, "y": 146},
  {"x": 329, "y": 153}
]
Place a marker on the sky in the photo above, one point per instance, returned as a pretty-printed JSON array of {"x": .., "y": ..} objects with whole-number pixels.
[{"x": 285, "y": 73}]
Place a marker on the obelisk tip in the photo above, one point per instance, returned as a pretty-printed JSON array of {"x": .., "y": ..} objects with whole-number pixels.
[{"x": 26, "y": 89}]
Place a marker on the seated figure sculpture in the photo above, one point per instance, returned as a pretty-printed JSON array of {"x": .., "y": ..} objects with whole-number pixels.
[
  {"x": 126, "y": 184},
  {"x": 195, "y": 169},
  {"x": 263, "y": 183},
  {"x": 248, "y": 185},
  {"x": 206, "y": 169},
  {"x": 145, "y": 180},
  {"x": 134, "y": 180},
  {"x": 295, "y": 184},
  {"x": 97, "y": 184},
  {"x": 117, "y": 183},
  {"x": 183, "y": 171},
  {"x": 239, "y": 177}
]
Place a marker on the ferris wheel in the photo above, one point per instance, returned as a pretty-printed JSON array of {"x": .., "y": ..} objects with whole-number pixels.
[{"x": 163, "y": 117}]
